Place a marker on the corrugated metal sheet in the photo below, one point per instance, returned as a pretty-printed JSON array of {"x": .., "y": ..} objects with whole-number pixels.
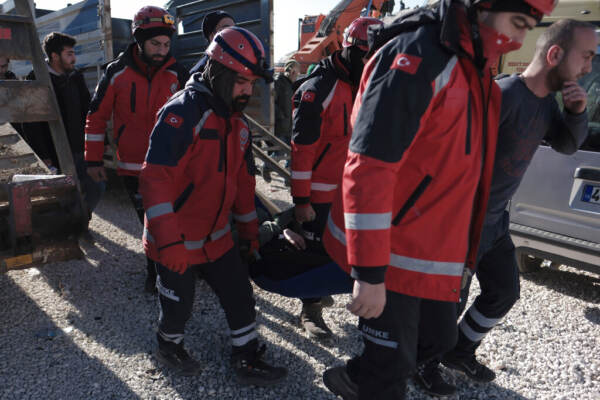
[{"x": 254, "y": 15}]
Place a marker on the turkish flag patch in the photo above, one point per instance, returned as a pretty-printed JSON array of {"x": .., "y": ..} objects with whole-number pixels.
[
  {"x": 308, "y": 97},
  {"x": 174, "y": 120},
  {"x": 407, "y": 63}
]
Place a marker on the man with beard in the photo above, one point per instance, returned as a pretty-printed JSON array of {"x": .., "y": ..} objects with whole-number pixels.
[
  {"x": 320, "y": 135},
  {"x": 407, "y": 221},
  {"x": 134, "y": 87},
  {"x": 530, "y": 115},
  {"x": 73, "y": 102},
  {"x": 199, "y": 171}
]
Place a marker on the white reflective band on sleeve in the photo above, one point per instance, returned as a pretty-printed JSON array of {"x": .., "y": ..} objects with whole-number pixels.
[
  {"x": 129, "y": 166},
  {"x": 244, "y": 218},
  {"x": 322, "y": 187},
  {"x": 426, "y": 266},
  {"x": 302, "y": 175},
  {"x": 368, "y": 221},
  {"x": 94, "y": 137},
  {"x": 482, "y": 320},
  {"x": 469, "y": 332},
  {"x": 381, "y": 342},
  {"x": 220, "y": 233},
  {"x": 148, "y": 236},
  {"x": 335, "y": 231},
  {"x": 244, "y": 329},
  {"x": 159, "y": 210},
  {"x": 240, "y": 341}
]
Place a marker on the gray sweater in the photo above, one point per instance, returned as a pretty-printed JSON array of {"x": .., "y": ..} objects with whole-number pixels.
[{"x": 525, "y": 121}]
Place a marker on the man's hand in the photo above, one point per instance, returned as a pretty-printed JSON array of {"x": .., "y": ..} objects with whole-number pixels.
[
  {"x": 294, "y": 239},
  {"x": 304, "y": 214},
  {"x": 174, "y": 258},
  {"x": 574, "y": 97},
  {"x": 368, "y": 300},
  {"x": 98, "y": 174}
]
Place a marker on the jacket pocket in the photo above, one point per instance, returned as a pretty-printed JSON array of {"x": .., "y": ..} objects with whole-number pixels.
[
  {"x": 321, "y": 156},
  {"x": 416, "y": 194},
  {"x": 132, "y": 97},
  {"x": 183, "y": 197},
  {"x": 119, "y": 134}
]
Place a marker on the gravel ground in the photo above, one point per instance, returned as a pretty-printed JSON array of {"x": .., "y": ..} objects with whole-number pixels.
[{"x": 547, "y": 348}]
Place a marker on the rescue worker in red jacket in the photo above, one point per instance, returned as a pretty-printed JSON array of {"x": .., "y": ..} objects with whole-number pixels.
[
  {"x": 407, "y": 220},
  {"x": 134, "y": 87},
  {"x": 199, "y": 171},
  {"x": 320, "y": 136}
]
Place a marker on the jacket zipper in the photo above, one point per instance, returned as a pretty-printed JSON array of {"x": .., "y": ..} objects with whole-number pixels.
[
  {"x": 345, "y": 121},
  {"x": 321, "y": 156},
  {"x": 224, "y": 155},
  {"x": 415, "y": 195},
  {"x": 468, "y": 144}
]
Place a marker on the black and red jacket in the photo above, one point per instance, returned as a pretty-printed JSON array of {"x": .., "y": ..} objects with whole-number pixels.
[
  {"x": 199, "y": 173},
  {"x": 132, "y": 94},
  {"x": 417, "y": 177},
  {"x": 322, "y": 106}
]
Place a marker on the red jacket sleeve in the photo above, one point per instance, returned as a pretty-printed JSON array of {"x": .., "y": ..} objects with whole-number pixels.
[
  {"x": 244, "y": 209},
  {"x": 101, "y": 109}
]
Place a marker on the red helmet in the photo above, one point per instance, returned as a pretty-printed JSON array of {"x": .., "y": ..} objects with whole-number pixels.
[
  {"x": 149, "y": 17},
  {"x": 356, "y": 33},
  {"x": 544, "y": 6},
  {"x": 241, "y": 51}
]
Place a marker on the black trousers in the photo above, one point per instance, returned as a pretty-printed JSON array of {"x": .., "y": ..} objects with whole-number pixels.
[
  {"x": 498, "y": 275},
  {"x": 314, "y": 231},
  {"x": 390, "y": 353},
  {"x": 132, "y": 184},
  {"x": 228, "y": 278}
]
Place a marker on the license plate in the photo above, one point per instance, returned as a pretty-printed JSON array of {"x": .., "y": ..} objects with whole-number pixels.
[{"x": 591, "y": 194}]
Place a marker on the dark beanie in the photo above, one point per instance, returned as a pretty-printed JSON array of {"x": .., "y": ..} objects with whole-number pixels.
[
  {"x": 520, "y": 6},
  {"x": 141, "y": 35},
  {"x": 211, "y": 20}
]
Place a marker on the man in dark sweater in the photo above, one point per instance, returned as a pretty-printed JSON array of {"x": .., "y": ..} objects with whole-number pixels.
[
  {"x": 73, "y": 101},
  {"x": 529, "y": 115}
]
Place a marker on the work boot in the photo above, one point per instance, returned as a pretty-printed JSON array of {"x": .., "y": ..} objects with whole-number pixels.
[
  {"x": 339, "y": 383},
  {"x": 327, "y": 301},
  {"x": 312, "y": 321},
  {"x": 178, "y": 359},
  {"x": 429, "y": 378},
  {"x": 470, "y": 367},
  {"x": 251, "y": 369}
]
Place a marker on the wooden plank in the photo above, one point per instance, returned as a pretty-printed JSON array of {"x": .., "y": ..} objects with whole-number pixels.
[
  {"x": 14, "y": 42},
  {"x": 25, "y": 101},
  {"x": 20, "y": 161}
]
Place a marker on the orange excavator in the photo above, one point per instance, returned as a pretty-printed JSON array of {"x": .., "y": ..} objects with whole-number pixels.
[{"x": 322, "y": 35}]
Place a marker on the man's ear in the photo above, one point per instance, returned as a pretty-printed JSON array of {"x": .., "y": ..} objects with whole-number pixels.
[{"x": 554, "y": 55}]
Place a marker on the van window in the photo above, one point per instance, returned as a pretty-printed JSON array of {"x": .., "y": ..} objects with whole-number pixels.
[{"x": 591, "y": 83}]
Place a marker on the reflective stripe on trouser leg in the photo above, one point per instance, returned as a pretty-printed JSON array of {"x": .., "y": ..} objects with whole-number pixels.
[
  {"x": 228, "y": 278},
  {"x": 390, "y": 352},
  {"x": 176, "y": 298}
]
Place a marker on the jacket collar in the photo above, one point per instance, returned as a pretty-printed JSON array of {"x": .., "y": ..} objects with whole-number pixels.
[{"x": 217, "y": 104}]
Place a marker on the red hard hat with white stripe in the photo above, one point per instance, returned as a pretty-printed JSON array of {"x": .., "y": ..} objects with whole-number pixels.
[
  {"x": 241, "y": 51},
  {"x": 535, "y": 8}
]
